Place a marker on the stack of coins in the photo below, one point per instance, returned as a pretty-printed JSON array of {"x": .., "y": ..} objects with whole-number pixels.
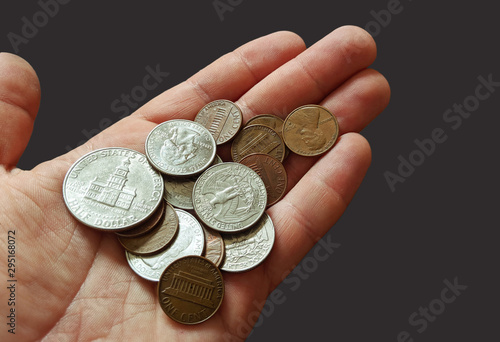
[{"x": 181, "y": 214}]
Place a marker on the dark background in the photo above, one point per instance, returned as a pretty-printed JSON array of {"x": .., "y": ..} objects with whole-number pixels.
[{"x": 396, "y": 247}]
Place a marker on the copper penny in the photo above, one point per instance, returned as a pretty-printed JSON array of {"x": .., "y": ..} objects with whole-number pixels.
[
  {"x": 257, "y": 139},
  {"x": 191, "y": 290},
  {"x": 156, "y": 239},
  {"x": 269, "y": 120},
  {"x": 146, "y": 226},
  {"x": 310, "y": 130},
  {"x": 271, "y": 171},
  {"x": 214, "y": 246},
  {"x": 222, "y": 118}
]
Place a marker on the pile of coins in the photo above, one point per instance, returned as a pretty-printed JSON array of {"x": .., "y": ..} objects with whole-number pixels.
[{"x": 181, "y": 213}]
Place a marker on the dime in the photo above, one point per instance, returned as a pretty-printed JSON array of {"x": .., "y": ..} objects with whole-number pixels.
[
  {"x": 179, "y": 191},
  {"x": 257, "y": 139},
  {"x": 148, "y": 225},
  {"x": 112, "y": 189},
  {"x": 189, "y": 241},
  {"x": 191, "y": 290},
  {"x": 156, "y": 239},
  {"x": 229, "y": 197},
  {"x": 310, "y": 130},
  {"x": 222, "y": 118},
  {"x": 246, "y": 250},
  {"x": 180, "y": 148},
  {"x": 214, "y": 246},
  {"x": 271, "y": 171}
]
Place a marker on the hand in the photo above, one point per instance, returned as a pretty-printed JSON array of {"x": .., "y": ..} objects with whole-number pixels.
[{"x": 74, "y": 282}]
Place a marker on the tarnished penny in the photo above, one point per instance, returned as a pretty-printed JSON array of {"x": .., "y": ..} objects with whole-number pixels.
[
  {"x": 269, "y": 120},
  {"x": 146, "y": 226},
  {"x": 222, "y": 118},
  {"x": 271, "y": 171},
  {"x": 180, "y": 148},
  {"x": 214, "y": 246},
  {"x": 190, "y": 240},
  {"x": 156, "y": 239},
  {"x": 248, "y": 249},
  {"x": 229, "y": 197},
  {"x": 257, "y": 139},
  {"x": 179, "y": 191},
  {"x": 112, "y": 189},
  {"x": 310, "y": 130},
  {"x": 191, "y": 290}
]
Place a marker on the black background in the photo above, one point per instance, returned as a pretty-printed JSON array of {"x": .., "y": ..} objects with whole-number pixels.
[{"x": 396, "y": 247}]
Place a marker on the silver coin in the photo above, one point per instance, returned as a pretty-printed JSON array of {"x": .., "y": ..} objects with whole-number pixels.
[
  {"x": 190, "y": 240},
  {"x": 246, "y": 250},
  {"x": 222, "y": 118},
  {"x": 179, "y": 191},
  {"x": 180, "y": 148},
  {"x": 112, "y": 189},
  {"x": 229, "y": 197}
]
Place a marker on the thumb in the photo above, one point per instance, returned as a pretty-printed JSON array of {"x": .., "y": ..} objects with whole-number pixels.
[{"x": 19, "y": 102}]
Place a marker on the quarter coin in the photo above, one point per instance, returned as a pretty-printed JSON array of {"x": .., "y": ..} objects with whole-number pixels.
[
  {"x": 246, "y": 250},
  {"x": 188, "y": 241},
  {"x": 310, "y": 130},
  {"x": 112, "y": 189},
  {"x": 191, "y": 290},
  {"x": 222, "y": 118},
  {"x": 229, "y": 197},
  {"x": 180, "y": 148}
]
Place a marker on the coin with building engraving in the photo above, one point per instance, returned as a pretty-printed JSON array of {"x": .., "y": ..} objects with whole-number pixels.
[
  {"x": 271, "y": 171},
  {"x": 229, "y": 197},
  {"x": 257, "y": 139},
  {"x": 180, "y": 148},
  {"x": 273, "y": 121},
  {"x": 189, "y": 240},
  {"x": 146, "y": 226},
  {"x": 222, "y": 118},
  {"x": 191, "y": 290},
  {"x": 179, "y": 190},
  {"x": 248, "y": 249},
  {"x": 112, "y": 189},
  {"x": 310, "y": 130},
  {"x": 156, "y": 239},
  {"x": 214, "y": 246}
]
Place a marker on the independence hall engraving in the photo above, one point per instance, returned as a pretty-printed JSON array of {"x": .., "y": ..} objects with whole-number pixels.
[
  {"x": 113, "y": 192},
  {"x": 192, "y": 288}
]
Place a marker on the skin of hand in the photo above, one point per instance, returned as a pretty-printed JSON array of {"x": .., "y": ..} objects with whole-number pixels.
[{"x": 74, "y": 283}]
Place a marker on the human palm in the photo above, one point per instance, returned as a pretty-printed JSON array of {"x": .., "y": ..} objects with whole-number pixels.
[{"x": 73, "y": 282}]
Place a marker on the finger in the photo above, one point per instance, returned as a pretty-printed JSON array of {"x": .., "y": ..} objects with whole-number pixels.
[
  {"x": 359, "y": 100},
  {"x": 227, "y": 78},
  {"x": 19, "y": 102},
  {"x": 313, "y": 74},
  {"x": 311, "y": 208}
]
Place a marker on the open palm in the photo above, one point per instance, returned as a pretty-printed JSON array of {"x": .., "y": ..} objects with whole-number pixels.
[{"x": 74, "y": 283}]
